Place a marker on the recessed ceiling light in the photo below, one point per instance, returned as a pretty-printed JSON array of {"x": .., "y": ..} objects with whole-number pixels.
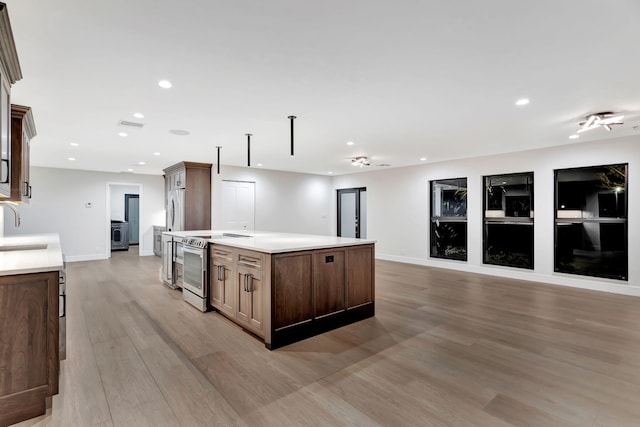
[
  {"x": 350, "y": 143},
  {"x": 329, "y": 172},
  {"x": 72, "y": 158},
  {"x": 180, "y": 132},
  {"x": 141, "y": 163},
  {"x": 156, "y": 154},
  {"x": 129, "y": 170},
  {"x": 138, "y": 115},
  {"x": 164, "y": 84},
  {"x": 73, "y": 144},
  {"x": 259, "y": 164},
  {"x": 122, "y": 134},
  {"x": 574, "y": 136},
  {"x": 422, "y": 159},
  {"x": 521, "y": 102}
]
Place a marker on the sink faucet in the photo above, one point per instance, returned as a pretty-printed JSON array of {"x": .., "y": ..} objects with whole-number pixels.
[{"x": 13, "y": 207}]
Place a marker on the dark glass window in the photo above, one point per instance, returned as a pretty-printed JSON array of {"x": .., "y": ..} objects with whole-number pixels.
[
  {"x": 449, "y": 218},
  {"x": 591, "y": 221},
  {"x": 508, "y": 220}
]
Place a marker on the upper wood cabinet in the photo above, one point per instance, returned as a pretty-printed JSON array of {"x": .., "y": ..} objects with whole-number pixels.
[
  {"x": 22, "y": 131},
  {"x": 9, "y": 74},
  {"x": 195, "y": 180}
]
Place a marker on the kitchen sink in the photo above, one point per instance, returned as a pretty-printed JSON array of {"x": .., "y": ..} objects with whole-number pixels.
[{"x": 31, "y": 247}]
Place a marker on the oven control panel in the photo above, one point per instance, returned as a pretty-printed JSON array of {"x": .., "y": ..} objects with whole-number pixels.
[{"x": 195, "y": 242}]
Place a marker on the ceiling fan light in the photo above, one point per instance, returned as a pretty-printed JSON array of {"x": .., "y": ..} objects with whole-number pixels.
[{"x": 589, "y": 121}]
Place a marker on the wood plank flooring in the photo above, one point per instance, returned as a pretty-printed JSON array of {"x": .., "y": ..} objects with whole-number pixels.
[{"x": 445, "y": 348}]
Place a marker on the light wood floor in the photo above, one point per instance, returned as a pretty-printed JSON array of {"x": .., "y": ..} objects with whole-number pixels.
[{"x": 445, "y": 349}]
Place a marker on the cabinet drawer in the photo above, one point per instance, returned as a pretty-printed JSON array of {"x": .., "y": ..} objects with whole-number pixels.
[
  {"x": 222, "y": 253},
  {"x": 250, "y": 259}
]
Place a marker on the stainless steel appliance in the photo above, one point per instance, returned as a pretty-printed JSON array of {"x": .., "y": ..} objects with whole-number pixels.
[
  {"x": 175, "y": 210},
  {"x": 196, "y": 259},
  {"x": 119, "y": 235}
]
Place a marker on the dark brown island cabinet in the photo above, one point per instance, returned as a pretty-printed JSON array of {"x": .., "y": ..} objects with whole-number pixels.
[
  {"x": 286, "y": 297},
  {"x": 29, "y": 344}
]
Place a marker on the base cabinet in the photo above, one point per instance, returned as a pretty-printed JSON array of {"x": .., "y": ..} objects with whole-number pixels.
[
  {"x": 29, "y": 344},
  {"x": 286, "y": 297},
  {"x": 237, "y": 286},
  {"x": 222, "y": 286},
  {"x": 250, "y": 290},
  {"x": 292, "y": 289}
]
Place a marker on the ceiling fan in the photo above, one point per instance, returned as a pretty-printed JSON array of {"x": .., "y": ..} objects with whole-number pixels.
[
  {"x": 605, "y": 119},
  {"x": 360, "y": 161}
]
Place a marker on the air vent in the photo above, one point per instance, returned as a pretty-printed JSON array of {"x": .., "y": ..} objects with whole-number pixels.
[
  {"x": 130, "y": 124},
  {"x": 384, "y": 165}
]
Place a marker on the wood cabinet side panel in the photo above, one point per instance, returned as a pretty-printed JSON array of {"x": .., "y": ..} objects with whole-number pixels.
[
  {"x": 291, "y": 289},
  {"x": 197, "y": 215},
  {"x": 360, "y": 275}
]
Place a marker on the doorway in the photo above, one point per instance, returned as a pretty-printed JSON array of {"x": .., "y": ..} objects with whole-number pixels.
[
  {"x": 352, "y": 212},
  {"x": 132, "y": 216},
  {"x": 116, "y": 211},
  {"x": 238, "y": 205}
]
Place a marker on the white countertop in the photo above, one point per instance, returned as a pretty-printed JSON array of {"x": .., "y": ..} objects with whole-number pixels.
[
  {"x": 272, "y": 242},
  {"x": 34, "y": 253}
]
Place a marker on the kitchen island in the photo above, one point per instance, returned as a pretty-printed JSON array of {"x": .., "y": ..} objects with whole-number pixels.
[
  {"x": 30, "y": 330},
  {"x": 284, "y": 287}
]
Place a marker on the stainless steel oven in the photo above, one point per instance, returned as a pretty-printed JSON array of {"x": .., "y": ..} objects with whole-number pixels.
[{"x": 195, "y": 262}]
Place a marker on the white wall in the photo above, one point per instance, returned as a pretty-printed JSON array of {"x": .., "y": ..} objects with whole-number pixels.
[
  {"x": 285, "y": 201},
  {"x": 58, "y": 206},
  {"x": 398, "y": 208},
  {"x": 117, "y": 199}
]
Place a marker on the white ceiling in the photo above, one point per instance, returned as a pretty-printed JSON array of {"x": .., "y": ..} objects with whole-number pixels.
[{"x": 402, "y": 79}]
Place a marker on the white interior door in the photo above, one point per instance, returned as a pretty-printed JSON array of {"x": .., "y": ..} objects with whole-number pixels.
[{"x": 238, "y": 205}]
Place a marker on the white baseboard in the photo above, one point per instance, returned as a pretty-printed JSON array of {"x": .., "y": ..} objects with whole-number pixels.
[
  {"x": 594, "y": 284},
  {"x": 92, "y": 257}
]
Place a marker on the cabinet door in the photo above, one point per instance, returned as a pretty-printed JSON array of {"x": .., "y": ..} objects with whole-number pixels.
[
  {"x": 222, "y": 289},
  {"x": 221, "y": 279},
  {"x": 292, "y": 298},
  {"x": 328, "y": 282},
  {"x": 5, "y": 143},
  {"x": 26, "y": 163},
  {"x": 29, "y": 339},
  {"x": 250, "y": 289},
  {"x": 179, "y": 179},
  {"x": 359, "y": 275}
]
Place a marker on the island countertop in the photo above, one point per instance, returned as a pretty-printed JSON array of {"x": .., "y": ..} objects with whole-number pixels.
[
  {"x": 269, "y": 241},
  {"x": 33, "y": 253}
]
